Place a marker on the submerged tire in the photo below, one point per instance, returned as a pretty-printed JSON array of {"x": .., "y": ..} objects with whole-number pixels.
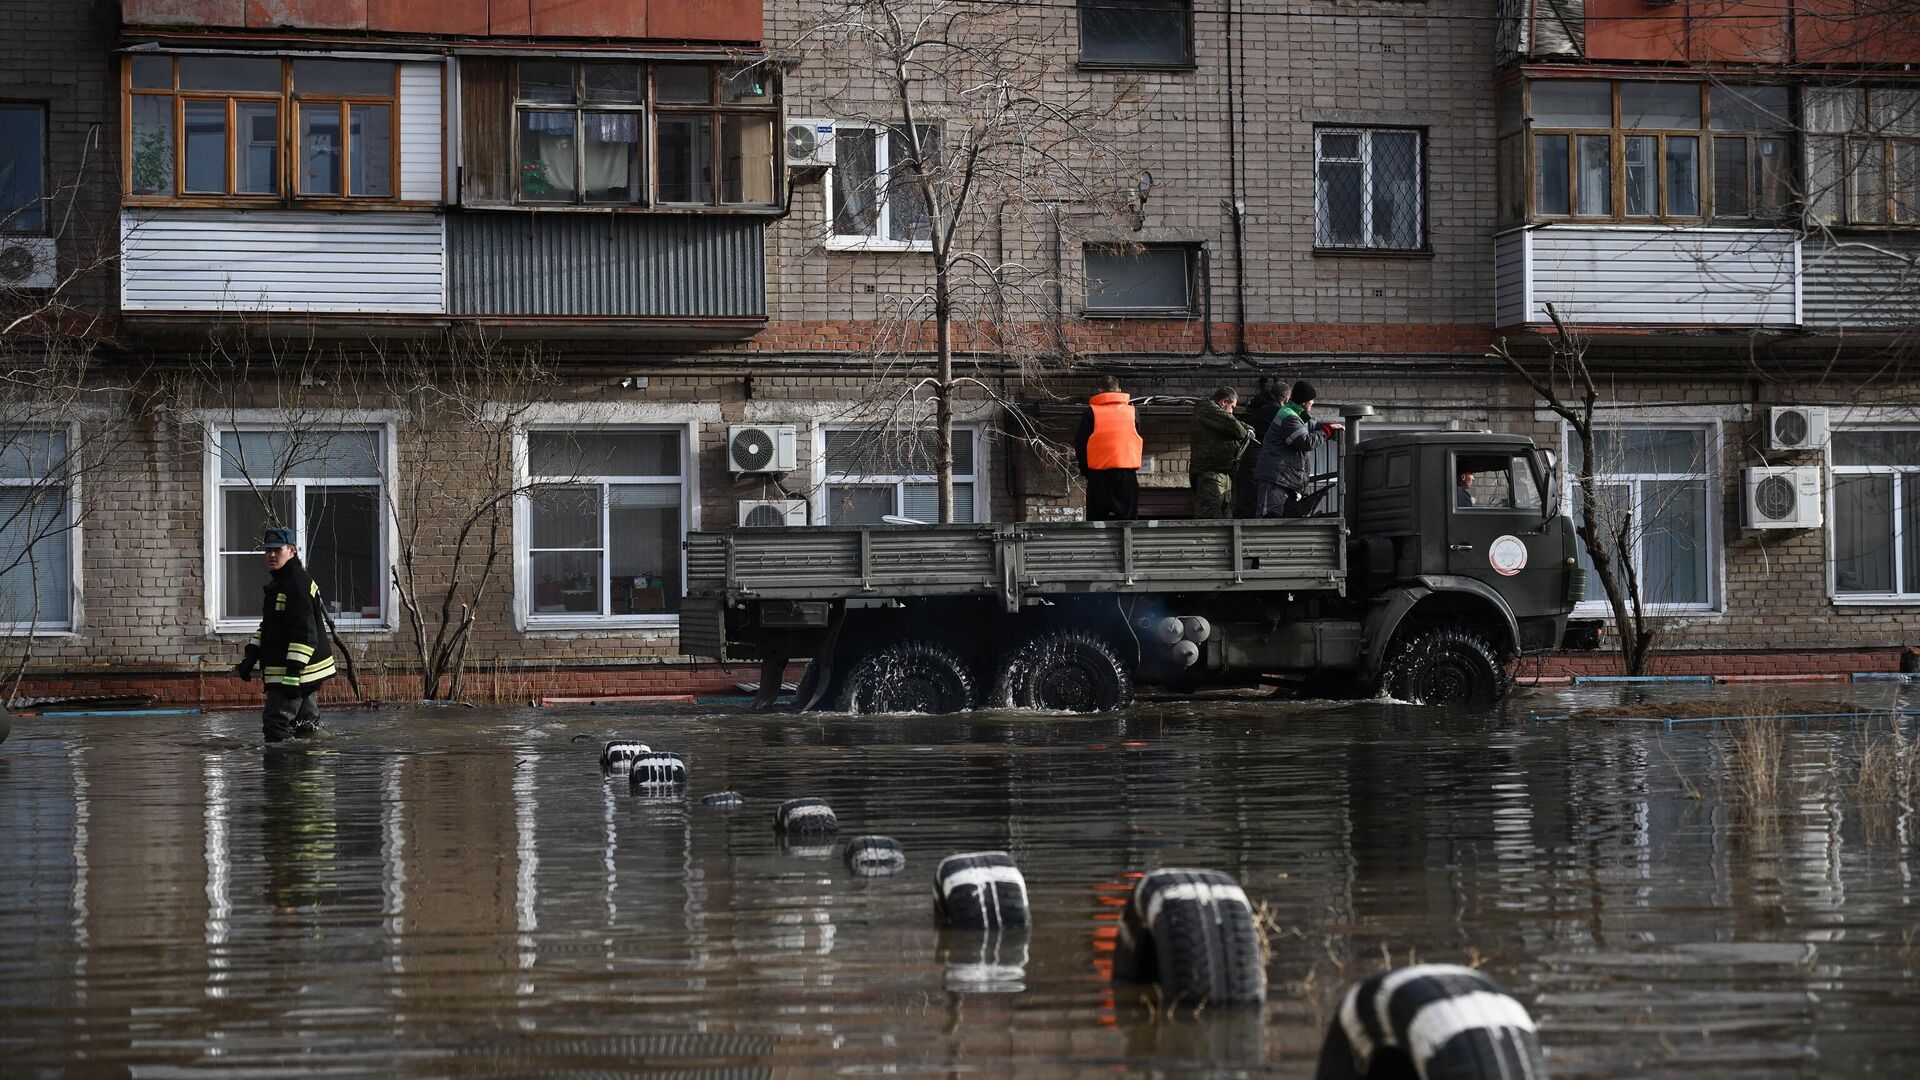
[
  {"x": 1193, "y": 933},
  {"x": 875, "y": 856},
  {"x": 912, "y": 676},
  {"x": 980, "y": 890},
  {"x": 805, "y": 818},
  {"x": 619, "y": 755},
  {"x": 1067, "y": 671},
  {"x": 654, "y": 772},
  {"x": 1435, "y": 1021},
  {"x": 1446, "y": 666}
]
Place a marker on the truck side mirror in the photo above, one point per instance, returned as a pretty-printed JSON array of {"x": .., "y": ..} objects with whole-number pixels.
[{"x": 1550, "y": 470}]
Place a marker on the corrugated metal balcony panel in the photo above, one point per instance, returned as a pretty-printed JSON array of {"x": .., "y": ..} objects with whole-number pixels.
[
  {"x": 1614, "y": 275},
  {"x": 1854, "y": 281},
  {"x": 1510, "y": 278},
  {"x": 528, "y": 263}
]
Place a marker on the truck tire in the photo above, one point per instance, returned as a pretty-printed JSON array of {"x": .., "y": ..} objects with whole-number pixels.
[
  {"x": 1193, "y": 933},
  {"x": 1436, "y": 1021},
  {"x": 912, "y": 676},
  {"x": 1066, "y": 671},
  {"x": 1446, "y": 665}
]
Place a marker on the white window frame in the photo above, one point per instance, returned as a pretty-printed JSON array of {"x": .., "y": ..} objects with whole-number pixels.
[
  {"x": 216, "y": 485},
  {"x": 881, "y": 239},
  {"x": 43, "y": 627},
  {"x": 688, "y": 482},
  {"x": 899, "y": 481},
  {"x": 1596, "y": 602},
  {"x": 1422, "y": 242},
  {"x": 1835, "y": 472}
]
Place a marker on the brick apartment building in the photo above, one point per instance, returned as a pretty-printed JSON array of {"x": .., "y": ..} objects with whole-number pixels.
[{"x": 274, "y": 208}]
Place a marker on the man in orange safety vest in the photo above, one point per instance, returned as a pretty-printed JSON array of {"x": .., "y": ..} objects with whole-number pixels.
[{"x": 1109, "y": 445}]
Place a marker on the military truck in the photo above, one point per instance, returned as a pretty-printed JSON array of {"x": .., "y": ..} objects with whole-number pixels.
[{"x": 1446, "y": 557}]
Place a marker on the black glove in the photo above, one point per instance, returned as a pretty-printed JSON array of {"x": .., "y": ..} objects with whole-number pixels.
[{"x": 244, "y": 669}]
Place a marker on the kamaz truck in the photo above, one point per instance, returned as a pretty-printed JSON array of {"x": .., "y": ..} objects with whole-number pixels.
[{"x": 1445, "y": 558}]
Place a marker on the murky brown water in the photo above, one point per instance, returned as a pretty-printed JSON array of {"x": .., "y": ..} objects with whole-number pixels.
[{"x": 459, "y": 893}]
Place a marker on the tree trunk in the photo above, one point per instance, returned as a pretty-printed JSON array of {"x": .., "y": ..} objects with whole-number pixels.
[{"x": 943, "y": 389}]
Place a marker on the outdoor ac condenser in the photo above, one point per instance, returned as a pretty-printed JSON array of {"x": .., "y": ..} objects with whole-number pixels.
[
  {"x": 766, "y": 448},
  {"x": 773, "y": 512},
  {"x": 1797, "y": 427},
  {"x": 1782, "y": 498},
  {"x": 809, "y": 141}
]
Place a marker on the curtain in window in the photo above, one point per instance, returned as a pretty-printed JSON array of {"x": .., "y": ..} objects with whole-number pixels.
[
  {"x": 1863, "y": 534},
  {"x": 36, "y": 564},
  {"x": 856, "y": 208},
  {"x": 1674, "y": 549}
]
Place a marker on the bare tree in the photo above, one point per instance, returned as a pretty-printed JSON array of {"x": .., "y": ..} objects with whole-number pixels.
[
  {"x": 995, "y": 154},
  {"x": 1606, "y": 524}
]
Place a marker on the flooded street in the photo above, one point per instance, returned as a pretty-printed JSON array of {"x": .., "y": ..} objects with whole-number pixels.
[{"x": 460, "y": 892}]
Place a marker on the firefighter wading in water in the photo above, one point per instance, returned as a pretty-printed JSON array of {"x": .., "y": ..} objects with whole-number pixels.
[{"x": 291, "y": 646}]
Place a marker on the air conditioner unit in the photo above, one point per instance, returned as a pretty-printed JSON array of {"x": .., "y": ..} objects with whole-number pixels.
[
  {"x": 773, "y": 511},
  {"x": 26, "y": 262},
  {"x": 1783, "y": 498},
  {"x": 809, "y": 141},
  {"x": 1797, "y": 427},
  {"x": 762, "y": 449}
]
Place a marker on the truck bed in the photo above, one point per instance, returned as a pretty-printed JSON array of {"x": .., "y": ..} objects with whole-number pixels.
[{"x": 1015, "y": 561}]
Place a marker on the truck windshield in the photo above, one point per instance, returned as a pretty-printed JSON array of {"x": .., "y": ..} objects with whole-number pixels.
[{"x": 1494, "y": 481}]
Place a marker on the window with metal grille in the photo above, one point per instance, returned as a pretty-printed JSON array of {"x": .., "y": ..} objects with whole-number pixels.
[
  {"x": 1368, "y": 189},
  {"x": 875, "y": 471}
]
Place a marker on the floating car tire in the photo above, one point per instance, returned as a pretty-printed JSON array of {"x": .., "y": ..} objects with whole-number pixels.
[
  {"x": 653, "y": 772},
  {"x": 981, "y": 890},
  {"x": 723, "y": 798},
  {"x": 619, "y": 755},
  {"x": 805, "y": 817},
  {"x": 1446, "y": 666},
  {"x": 1193, "y": 933},
  {"x": 1434, "y": 1021},
  {"x": 912, "y": 676},
  {"x": 875, "y": 856},
  {"x": 1069, "y": 671}
]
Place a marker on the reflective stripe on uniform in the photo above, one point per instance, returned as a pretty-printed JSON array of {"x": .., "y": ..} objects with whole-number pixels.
[
  {"x": 298, "y": 651},
  {"x": 322, "y": 670},
  {"x": 279, "y": 601}
]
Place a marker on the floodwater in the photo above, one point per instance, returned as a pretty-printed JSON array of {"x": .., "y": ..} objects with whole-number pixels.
[{"x": 459, "y": 893}]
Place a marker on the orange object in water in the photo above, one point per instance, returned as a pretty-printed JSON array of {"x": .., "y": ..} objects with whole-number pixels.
[{"x": 1115, "y": 442}]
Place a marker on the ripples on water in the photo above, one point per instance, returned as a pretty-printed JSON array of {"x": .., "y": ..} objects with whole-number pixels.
[{"x": 460, "y": 893}]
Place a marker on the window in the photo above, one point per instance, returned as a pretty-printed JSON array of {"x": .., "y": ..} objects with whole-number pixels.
[
  {"x": 36, "y": 531},
  {"x": 23, "y": 168},
  {"x": 1662, "y": 478},
  {"x": 204, "y": 127},
  {"x": 1752, "y": 169},
  {"x": 1863, "y": 155},
  {"x": 1136, "y": 33},
  {"x": 872, "y": 472},
  {"x": 324, "y": 484},
  {"x": 874, "y": 200},
  {"x": 1876, "y": 513},
  {"x": 1154, "y": 279},
  {"x": 579, "y": 128},
  {"x": 1624, "y": 150},
  {"x": 1494, "y": 482},
  {"x": 1367, "y": 189},
  {"x": 605, "y": 523},
  {"x": 713, "y": 141}
]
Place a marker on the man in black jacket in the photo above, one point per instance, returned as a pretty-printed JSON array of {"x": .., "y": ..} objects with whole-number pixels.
[{"x": 291, "y": 645}]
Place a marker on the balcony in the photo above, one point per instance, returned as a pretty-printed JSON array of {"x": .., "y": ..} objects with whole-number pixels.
[{"x": 1621, "y": 276}]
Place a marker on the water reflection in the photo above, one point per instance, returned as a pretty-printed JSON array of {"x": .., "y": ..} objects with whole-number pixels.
[{"x": 416, "y": 895}]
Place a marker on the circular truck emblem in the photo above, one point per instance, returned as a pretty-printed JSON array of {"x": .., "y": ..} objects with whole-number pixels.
[{"x": 1508, "y": 554}]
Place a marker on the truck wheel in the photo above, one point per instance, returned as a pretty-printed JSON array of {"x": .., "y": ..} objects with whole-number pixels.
[
  {"x": 912, "y": 676},
  {"x": 1067, "y": 671},
  {"x": 1446, "y": 666}
]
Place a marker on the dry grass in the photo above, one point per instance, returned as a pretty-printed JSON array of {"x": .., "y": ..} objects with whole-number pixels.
[
  {"x": 1757, "y": 759},
  {"x": 1888, "y": 778}
]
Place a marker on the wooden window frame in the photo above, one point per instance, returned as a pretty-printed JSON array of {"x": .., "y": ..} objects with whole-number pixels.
[
  {"x": 1617, "y": 136},
  {"x": 286, "y": 192},
  {"x": 578, "y": 108},
  {"x": 716, "y": 108},
  {"x": 1887, "y": 142}
]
